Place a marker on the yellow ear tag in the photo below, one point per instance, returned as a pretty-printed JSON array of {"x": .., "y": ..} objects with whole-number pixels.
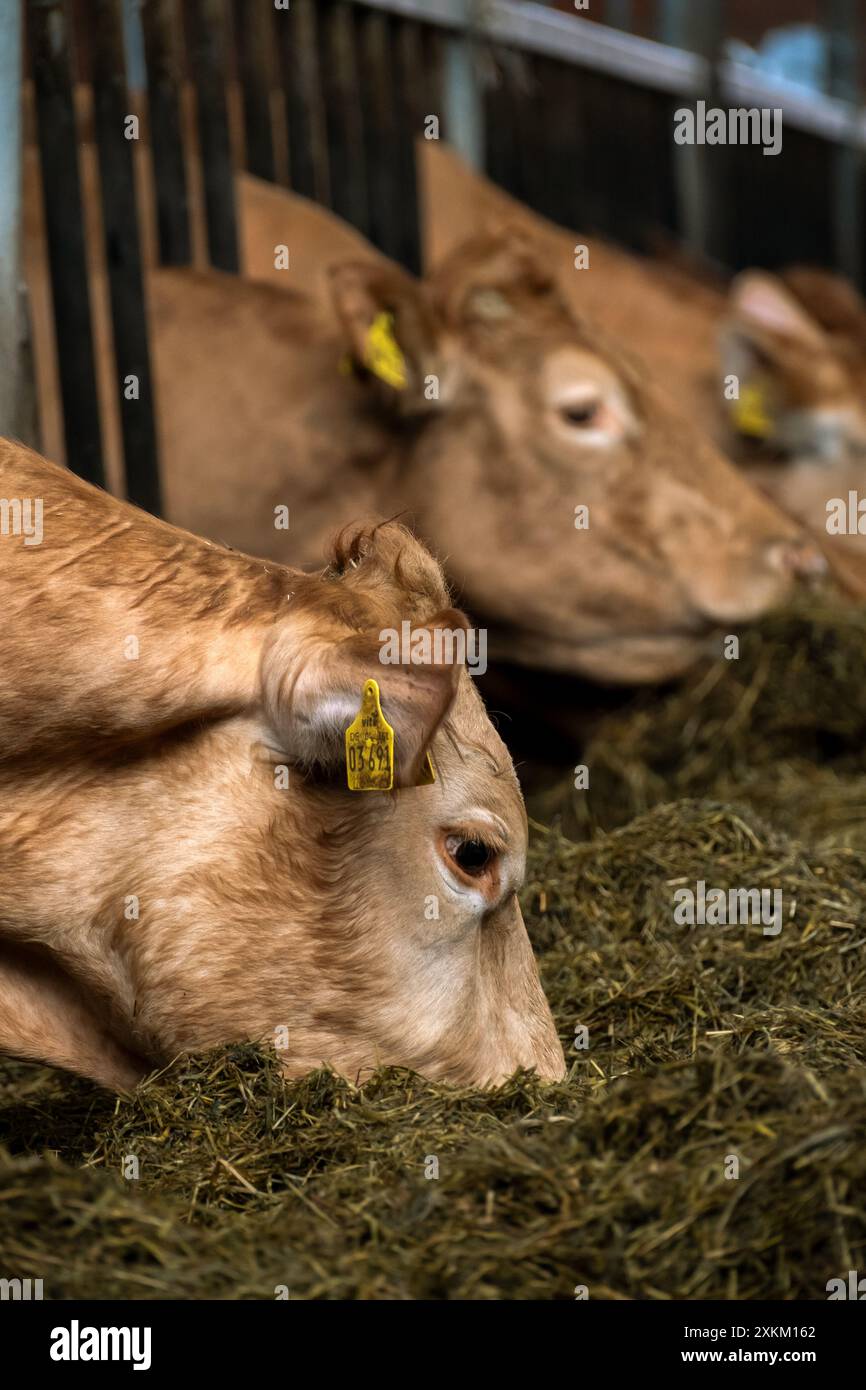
[
  {"x": 370, "y": 746},
  {"x": 382, "y": 355},
  {"x": 750, "y": 413}
]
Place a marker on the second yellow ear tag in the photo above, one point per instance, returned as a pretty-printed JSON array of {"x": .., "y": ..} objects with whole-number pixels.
[
  {"x": 750, "y": 413},
  {"x": 382, "y": 355},
  {"x": 370, "y": 745}
]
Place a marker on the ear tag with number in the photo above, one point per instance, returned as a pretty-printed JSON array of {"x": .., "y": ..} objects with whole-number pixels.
[
  {"x": 382, "y": 355},
  {"x": 750, "y": 412},
  {"x": 370, "y": 745}
]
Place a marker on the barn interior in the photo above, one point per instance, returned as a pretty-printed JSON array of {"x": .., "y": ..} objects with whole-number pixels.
[{"x": 688, "y": 1049}]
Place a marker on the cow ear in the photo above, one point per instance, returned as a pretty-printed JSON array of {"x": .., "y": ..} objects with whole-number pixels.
[
  {"x": 392, "y": 332},
  {"x": 774, "y": 350},
  {"x": 830, "y": 299},
  {"x": 762, "y": 306},
  {"x": 309, "y": 712}
]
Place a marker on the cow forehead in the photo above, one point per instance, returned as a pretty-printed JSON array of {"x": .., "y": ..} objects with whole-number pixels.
[
  {"x": 478, "y": 793},
  {"x": 568, "y": 363},
  {"x": 474, "y": 757}
]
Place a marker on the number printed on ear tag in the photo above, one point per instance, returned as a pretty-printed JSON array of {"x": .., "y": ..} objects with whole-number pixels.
[{"x": 370, "y": 745}]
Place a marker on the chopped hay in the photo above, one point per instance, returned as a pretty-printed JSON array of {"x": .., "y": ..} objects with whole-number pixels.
[
  {"x": 781, "y": 730},
  {"x": 706, "y": 1044}
]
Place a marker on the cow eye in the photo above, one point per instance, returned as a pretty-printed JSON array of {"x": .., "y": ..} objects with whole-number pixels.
[
  {"x": 581, "y": 413},
  {"x": 470, "y": 856}
]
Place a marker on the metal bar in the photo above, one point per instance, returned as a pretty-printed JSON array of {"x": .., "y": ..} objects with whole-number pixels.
[
  {"x": 301, "y": 81},
  {"x": 58, "y": 152},
  {"x": 553, "y": 35},
  {"x": 826, "y": 117},
  {"x": 17, "y": 392},
  {"x": 298, "y": 140},
  {"x": 164, "y": 78},
  {"x": 133, "y": 46},
  {"x": 659, "y": 67},
  {"x": 133, "y": 374},
  {"x": 341, "y": 87},
  {"x": 433, "y": 11},
  {"x": 847, "y": 176},
  {"x": 672, "y": 22},
  {"x": 548, "y": 33},
  {"x": 618, "y": 13},
  {"x": 380, "y": 130},
  {"x": 310, "y": 79},
  {"x": 700, "y": 173},
  {"x": 463, "y": 107},
  {"x": 254, "y": 28},
  {"x": 206, "y": 22}
]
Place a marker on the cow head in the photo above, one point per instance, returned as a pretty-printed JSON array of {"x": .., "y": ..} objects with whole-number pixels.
[
  {"x": 593, "y": 530},
  {"x": 421, "y": 955},
  {"x": 797, "y": 345},
  {"x": 270, "y": 899},
  {"x": 373, "y": 926}
]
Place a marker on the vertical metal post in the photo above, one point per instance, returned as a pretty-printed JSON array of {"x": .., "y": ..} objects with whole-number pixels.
[
  {"x": 462, "y": 98},
  {"x": 254, "y": 31},
  {"x": 64, "y": 225},
  {"x": 164, "y": 77},
  {"x": 17, "y": 394},
  {"x": 301, "y": 80},
  {"x": 133, "y": 46},
  {"x": 344, "y": 117},
  {"x": 133, "y": 375},
  {"x": 206, "y": 38},
  {"x": 700, "y": 170},
  {"x": 618, "y": 14},
  {"x": 844, "y": 34},
  {"x": 673, "y": 22}
]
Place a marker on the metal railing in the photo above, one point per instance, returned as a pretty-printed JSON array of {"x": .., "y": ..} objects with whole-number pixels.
[{"x": 574, "y": 117}]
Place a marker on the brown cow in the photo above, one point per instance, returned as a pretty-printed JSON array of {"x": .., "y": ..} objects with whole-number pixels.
[
  {"x": 261, "y": 410},
  {"x": 271, "y": 218},
  {"x": 801, "y": 335},
  {"x": 800, "y": 338},
  {"x": 675, "y": 314},
  {"x": 670, "y": 320},
  {"x": 181, "y": 861},
  {"x": 797, "y": 344},
  {"x": 811, "y": 323},
  {"x": 513, "y": 417}
]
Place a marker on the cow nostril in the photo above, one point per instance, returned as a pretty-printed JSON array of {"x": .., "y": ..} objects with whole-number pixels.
[{"x": 798, "y": 558}]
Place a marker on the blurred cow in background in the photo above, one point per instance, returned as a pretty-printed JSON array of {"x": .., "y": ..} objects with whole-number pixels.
[
  {"x": 795, "y": 342},
  {"x": 589, "y": 526}
]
